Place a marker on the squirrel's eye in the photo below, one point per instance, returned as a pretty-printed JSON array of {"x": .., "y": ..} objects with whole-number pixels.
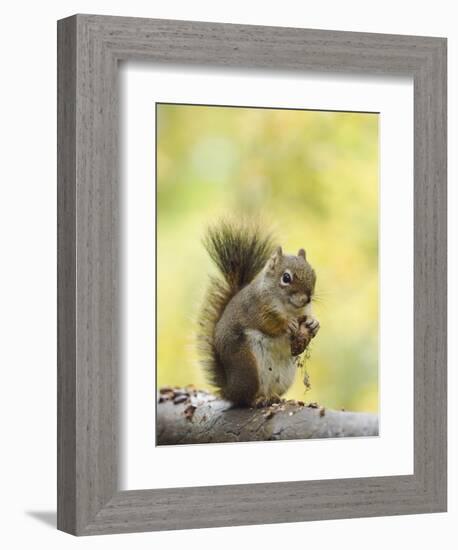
[{"x": 286, "y": 278}]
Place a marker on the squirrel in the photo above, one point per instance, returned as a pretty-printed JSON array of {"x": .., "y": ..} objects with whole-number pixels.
[{"x": 257, "y": 316}]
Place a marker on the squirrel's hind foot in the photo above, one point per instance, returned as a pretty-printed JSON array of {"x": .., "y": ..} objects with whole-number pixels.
[{"x": 264, "y": 401}]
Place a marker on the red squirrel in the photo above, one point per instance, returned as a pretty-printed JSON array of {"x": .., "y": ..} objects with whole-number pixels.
[{"x": 257, "y": 315}]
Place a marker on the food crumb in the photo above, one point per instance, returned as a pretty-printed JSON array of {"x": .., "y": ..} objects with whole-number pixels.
[
  {"x": 189, "y": 412},
  {"x": 181, "y": 398}
]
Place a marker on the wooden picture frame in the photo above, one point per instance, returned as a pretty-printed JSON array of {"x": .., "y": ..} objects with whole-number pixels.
[{"x": 89, "y": 49}]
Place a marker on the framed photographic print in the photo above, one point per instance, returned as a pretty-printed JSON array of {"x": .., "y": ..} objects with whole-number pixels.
[{"x": 251, "y": 274}]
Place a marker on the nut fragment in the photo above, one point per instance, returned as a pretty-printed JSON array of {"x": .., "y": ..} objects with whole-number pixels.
[
  {"x": 189, "y": 412},
  {"x": 301, "y": 339},
  {"x": 180, "y": 398}
]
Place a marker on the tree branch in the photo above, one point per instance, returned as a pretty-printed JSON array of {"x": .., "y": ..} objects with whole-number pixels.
[{"x": 186, "y": 415}]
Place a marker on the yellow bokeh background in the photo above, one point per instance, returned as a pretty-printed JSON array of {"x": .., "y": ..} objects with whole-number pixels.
[{"x": 312, "y": 177}]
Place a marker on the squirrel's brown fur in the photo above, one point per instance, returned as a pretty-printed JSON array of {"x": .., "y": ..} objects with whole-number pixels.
[
  {"x": 239, "y": 253},
  {"x": 251, "y": 315}
]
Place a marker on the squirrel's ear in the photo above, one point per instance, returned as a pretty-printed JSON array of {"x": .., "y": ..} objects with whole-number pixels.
[
  {"x": 275, "y": 258},
  {"x": 301, "y": 253}
]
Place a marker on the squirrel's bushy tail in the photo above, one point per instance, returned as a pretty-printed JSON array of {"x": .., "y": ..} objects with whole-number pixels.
[{"x": 239, "y": 251}]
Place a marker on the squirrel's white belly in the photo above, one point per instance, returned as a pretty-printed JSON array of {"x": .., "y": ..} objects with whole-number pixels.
[{"x": 276, "y": 365}]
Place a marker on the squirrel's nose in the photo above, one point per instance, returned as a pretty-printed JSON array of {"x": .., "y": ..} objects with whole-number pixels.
[{"x": 301, "y": 299}]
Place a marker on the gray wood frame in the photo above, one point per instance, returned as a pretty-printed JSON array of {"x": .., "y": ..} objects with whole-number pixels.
[{"x": 89, "y": 48}]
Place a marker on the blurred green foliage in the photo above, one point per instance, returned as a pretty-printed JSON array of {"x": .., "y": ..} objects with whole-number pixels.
[{"x": 312, "y": 177}]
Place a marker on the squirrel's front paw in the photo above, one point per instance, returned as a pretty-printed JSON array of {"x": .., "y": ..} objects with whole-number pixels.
[
  {"x": 307, "y": 329},
  {"x": 313, "y": 325},
  {"x": 293, "y": 327}
]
